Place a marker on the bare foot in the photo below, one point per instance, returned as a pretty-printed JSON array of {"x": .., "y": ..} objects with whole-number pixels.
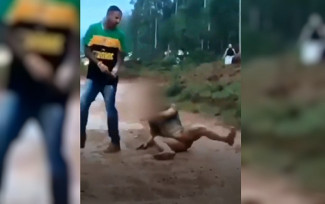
[
  {"x": 231, "y": 136},
  {"x": 112, "y": 148},
  {"x": 164, "y": 155}
]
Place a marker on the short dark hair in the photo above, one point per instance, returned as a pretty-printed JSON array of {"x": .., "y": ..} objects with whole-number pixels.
[{"x": 113, "y": 8}]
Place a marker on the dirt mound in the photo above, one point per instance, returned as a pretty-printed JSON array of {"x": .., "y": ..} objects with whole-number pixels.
[
  {"x": 210, "y": 88},
  {"x": 213, "y": 72}
]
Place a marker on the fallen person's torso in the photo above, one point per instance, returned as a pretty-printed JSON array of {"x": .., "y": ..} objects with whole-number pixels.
[{"x": 171, "y": 128}]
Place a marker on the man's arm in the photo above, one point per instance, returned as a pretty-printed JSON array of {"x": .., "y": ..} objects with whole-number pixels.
[
  {"x": 305, "y": 34},
  {"x": 13, "y": 44},
  {"x": 118, "y": 64},
  {"x": 38, "y": 68},
  {"x": 224, "y": 55},
  {"x": 87, "y": 42},
  {"x": 90, "y": 55},
  {"x": 123, "y": 50},
  {"x": 67, "y": 72}
]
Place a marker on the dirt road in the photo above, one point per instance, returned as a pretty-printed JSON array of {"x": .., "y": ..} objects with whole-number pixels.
[
  {"x": 208, "y": 173},
  {"x": 259, "y": 187}
]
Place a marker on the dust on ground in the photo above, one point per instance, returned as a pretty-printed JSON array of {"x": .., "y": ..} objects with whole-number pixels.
[{"x": 210, "y": 172}]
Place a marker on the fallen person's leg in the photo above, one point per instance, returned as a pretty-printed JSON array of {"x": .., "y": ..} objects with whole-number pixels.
[
  {"x": 194, "y": 133},
  {"x": 168, "y": 147}
]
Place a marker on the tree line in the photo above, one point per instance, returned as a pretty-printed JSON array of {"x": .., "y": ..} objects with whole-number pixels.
[{"x": 195, "y": 26}]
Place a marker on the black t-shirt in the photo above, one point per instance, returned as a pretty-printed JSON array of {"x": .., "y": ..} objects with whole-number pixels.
[
  {"x": 315, "y": 35},
  {"x": 230, "y": 52},
  {"x": 105, "y": 45},
  {"x": 171, "y": 127},
  {"x": 43, "y": 28}
]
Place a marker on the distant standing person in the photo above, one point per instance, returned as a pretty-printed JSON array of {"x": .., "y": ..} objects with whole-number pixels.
[
  {"x": 312, "y": 41},
  {"x": 229, "y": 54},
  {"x": 104, "y": 46}
]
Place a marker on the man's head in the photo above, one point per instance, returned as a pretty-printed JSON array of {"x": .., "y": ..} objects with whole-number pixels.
[
  {"x": 230, "y": 45},
  {"x": 315, "y": 20},
  {"x": 113, "y": 17}
]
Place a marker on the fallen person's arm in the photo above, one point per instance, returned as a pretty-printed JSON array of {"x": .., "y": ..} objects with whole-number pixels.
[
  {"x": 163, "y": 115},
  {"x": 147, "y": 143}
]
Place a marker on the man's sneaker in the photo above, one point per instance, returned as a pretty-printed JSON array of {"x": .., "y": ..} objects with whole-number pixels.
[{"x": 112, "y": 148}]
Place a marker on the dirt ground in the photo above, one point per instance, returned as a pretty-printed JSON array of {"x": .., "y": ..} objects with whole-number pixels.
[
  {"x": 261, "y": 188},
  {"x": 208, "y": 173}
]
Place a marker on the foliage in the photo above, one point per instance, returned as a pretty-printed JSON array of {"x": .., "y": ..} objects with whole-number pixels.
[{"x": 183, "y": 24}]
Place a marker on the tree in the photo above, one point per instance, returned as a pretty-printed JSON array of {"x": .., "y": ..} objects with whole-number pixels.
[{"x": 206, "y": 25}]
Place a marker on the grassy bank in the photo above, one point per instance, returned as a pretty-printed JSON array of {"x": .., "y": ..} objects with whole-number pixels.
[
  {"x": 210, "y": 88},
  {"x": 283, "y": 119}
]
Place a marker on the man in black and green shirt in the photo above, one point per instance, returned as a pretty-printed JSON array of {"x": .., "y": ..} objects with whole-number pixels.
[{"x": 104, "y": 46}]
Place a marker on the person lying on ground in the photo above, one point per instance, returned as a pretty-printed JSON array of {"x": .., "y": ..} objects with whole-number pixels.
[{"x": 170, "y": 136}]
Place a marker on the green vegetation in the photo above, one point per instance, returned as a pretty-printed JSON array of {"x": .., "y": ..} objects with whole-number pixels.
[
  {"x": 283, "y": 118},
  {"x": 156, "y": 25},
  {"x": 273, "y": 27},
  {"x": 283, "y": 102},
  {"x": 211, "y": 88}
]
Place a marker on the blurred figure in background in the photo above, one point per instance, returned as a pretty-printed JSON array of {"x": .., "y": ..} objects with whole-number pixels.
[
  {"x": 229, "y": 54},
  {"x": 43, "y": 37},
  {"x": 312, "y": 41},
  {"x": 282, "y": 103},
  {"x": 236, "y": 59}
]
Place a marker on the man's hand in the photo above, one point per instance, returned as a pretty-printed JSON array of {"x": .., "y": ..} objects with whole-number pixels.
[
  {"x": 103, "y": 67},
  {"x": 113, "y": 74},
  {"x": 39, "y": 68},
  {"x": 63, "y": 80}
]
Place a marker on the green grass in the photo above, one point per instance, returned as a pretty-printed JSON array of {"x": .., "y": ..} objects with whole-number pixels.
[
  {"x": 208, "y": 88},
  {"x": 283, "y": 118}
]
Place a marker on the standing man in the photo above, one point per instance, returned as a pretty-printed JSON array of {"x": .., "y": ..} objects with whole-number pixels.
[{"x": 104, "y": 44}]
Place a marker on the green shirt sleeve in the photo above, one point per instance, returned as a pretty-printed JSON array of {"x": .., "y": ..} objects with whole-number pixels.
[
  {"x": 88, "y": 36},
  {"x": 5, "y": 6},
  {"x": 124, "y": 47}
]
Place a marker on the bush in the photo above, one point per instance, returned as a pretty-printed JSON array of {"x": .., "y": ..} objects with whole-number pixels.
[
  {"x": 174, "y": 89},
  {"x": 202, "y": 57}
]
